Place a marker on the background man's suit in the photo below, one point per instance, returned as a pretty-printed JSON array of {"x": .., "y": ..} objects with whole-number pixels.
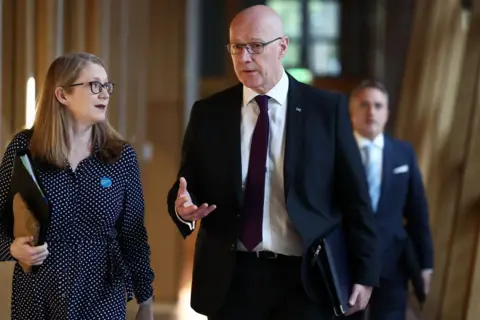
[
  {"x": 402, "y": 216},
  {"x": 323, "y": 182}
]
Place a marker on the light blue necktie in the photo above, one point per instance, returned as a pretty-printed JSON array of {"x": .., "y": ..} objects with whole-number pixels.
[{"x": 373, "y": 176}]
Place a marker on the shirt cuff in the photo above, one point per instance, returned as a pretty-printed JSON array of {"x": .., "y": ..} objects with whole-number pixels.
[{"x": 190, "y": 224}]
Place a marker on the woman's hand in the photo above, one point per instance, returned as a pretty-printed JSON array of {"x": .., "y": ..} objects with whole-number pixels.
[{"x": 23, "y": 251}]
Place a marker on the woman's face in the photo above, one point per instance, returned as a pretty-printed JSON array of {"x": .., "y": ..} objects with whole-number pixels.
[{"x": 89, "y": 97}]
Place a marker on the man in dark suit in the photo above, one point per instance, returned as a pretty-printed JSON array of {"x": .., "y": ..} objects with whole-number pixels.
[
  {"x": 272, "y": 166},
  {"x": 398, "y": 199}
]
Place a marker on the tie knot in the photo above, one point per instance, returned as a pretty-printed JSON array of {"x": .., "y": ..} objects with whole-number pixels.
[
  {"x": 368, "y": 147},
  {"x": 262, "y": 101}
]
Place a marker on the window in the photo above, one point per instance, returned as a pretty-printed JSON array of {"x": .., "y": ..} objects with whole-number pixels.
[{"x": 313, "y": 27}]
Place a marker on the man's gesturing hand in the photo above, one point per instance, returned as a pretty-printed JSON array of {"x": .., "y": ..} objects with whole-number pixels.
[
  {"x": 185, "y": 207},
  {"x": 359, "y": 298}
]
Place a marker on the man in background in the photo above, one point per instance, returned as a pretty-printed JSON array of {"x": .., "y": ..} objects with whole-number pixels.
[{"x": 398, "y": 200}]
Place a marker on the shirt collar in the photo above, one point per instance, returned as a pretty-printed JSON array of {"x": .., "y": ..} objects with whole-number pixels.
[
  {"x": 379, "y": 141},
  {"x": 278, "y": 92}
]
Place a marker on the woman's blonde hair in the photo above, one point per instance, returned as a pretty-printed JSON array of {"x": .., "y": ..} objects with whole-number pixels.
[{"x": 50, "y": 140}]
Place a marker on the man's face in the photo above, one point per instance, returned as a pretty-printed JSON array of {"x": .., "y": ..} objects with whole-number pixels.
[
  {"x": 257, "y": 71},
  {"x": 369, "y": 112}
]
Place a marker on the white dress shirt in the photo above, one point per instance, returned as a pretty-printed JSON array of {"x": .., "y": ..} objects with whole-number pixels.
[{"x": 278, "y": 232}]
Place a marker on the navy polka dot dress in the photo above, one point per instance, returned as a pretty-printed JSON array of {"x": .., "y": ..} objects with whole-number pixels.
[{"x": 99, "y": 255}]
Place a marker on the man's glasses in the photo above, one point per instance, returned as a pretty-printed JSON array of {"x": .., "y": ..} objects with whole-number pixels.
[
  {"x": 96, "y": 86},
  {"x": 252, "y": 47}
]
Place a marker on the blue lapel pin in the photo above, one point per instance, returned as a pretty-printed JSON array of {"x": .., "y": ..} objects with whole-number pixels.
[{"x": 105, "y": 182}]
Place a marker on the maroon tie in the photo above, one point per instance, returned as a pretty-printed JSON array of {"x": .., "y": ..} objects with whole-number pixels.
[{"x": 254, "y": 194}]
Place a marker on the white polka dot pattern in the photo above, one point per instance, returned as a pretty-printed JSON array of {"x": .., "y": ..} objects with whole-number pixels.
[{"x": 91, "y": 268}]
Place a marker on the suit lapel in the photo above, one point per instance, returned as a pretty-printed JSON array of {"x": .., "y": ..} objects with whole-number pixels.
[
  {"x": 387, "y": 168},
  {"x": 293, "y": 132},
  {"x": 232, "y": 122}
]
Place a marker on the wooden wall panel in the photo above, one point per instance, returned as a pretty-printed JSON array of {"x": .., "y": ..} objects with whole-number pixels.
[
  {"x": 458, "y": 285},
  {"x": 471, "y": 207},
  {"x": 7, "y": 85},
  {"x": 436, "y": 37},
  {"x": 75, "y": 13},
  {"x": 24, "y": 48},
  {"x": 165, "y": 133},
  {"x": 137, "y": 80},
  {"x": 93, "y": 26},
  {"x": 45, "y": 34},
  {"x": 437, "y": 115}
]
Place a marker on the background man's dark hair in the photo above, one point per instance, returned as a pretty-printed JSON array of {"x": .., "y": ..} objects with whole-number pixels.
[{"x": 370, "y": 84}]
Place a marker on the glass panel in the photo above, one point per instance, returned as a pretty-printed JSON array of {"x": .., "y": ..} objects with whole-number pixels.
[
  {"x": 324, "y": 18},
  {"x": 291, "y": 13},
  {"x": 292, "y": 58},
  {"x": 324, "y": 59}
]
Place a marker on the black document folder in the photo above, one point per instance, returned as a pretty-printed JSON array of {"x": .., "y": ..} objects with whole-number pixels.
[
  {"x": 332, "y": 258},
  {"x": 26, "y": 212}
]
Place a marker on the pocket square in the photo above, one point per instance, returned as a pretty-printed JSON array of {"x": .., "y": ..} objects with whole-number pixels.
[{"x": 401, "y": 169}]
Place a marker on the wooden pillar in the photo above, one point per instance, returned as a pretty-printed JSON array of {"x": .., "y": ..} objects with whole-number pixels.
[
  {"x": 434, "y": 52},
  {"x": 136, "y": 74},
  {"x": 75, "y": 15},
  {"x": 165, "y": 133},
  {"x": 46, "y": 27},
  {"x": 114, "y": 56},
  {"x": 437, "y": 114},
  {"x": 7, "y": 71},
  {"x": 93, "y": 26},
  {"x": 24, "y": 48},
  {"x": 459, "y": 194},
  {"x": 123, "y": 54}
]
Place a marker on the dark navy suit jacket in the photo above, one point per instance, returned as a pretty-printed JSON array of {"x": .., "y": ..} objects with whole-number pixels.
[
  {"x": 402, "y": 209},
  {"x": 324, "y": 185}
]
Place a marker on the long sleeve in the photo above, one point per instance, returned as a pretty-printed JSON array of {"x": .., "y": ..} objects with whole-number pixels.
[
  {"x": 188, "y": 172},
  {"x": 133, "y": 234},
  {"x": 6, "y": 168},
  {"x": 351, "y": 193},
  {"x": 416, "y": 214}
]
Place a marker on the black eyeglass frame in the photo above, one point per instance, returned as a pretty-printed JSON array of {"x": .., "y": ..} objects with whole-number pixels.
[
  {"x": 248, "y": 46},
  {"x": 93, "y": 83}
]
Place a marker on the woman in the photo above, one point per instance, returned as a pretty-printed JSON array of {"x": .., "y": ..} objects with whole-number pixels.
[{"x": 96, "y": 255}]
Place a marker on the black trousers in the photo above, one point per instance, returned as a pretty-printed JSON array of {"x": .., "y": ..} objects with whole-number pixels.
[{"x": 269, "y": 289}]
